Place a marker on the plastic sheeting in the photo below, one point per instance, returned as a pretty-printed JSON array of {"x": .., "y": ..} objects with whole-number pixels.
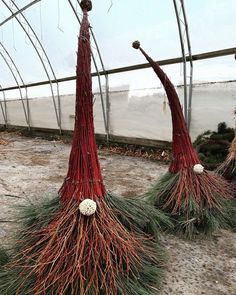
[{"x": 138, "y": 113}]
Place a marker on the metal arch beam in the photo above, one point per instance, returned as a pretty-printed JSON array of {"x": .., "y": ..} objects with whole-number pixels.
[
  {"x": 187, "y": 92},
  {"x": 25, "y": 25},
  {"x": 164, "y": 62},
  {"x": 18, "y": 85},
  {"x": 13, "y": 66},
  {"x": 106, "y": 84},
  {"x": 184, "y": 58},
  {"x": 4, "y": 109},
  {"x": 105, "y": 112},
  {"x": 191, "y": 65},
  {"x": 19, "y": 11}
]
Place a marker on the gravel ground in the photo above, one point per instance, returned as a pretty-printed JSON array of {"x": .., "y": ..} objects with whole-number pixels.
[{"x": 31, "y": 168}]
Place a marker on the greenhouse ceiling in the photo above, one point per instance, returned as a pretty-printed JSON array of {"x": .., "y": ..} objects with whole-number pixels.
[{"x": 39, "y": 40}]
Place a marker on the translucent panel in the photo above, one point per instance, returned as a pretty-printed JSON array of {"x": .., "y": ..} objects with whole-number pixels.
[
  {"x": 212, "y": 24},
  {"x": 6, "y": 75},
  {"x": 42, "y": 113},
  {"x": 152, "y": 22},
  {"x": 15, "y": 113},
  {"x": 216, "y": 69},
  {"x": 141, "y": 114},
  {"x": 212, "y": 103},
  {"x": 23, "y": 53}
]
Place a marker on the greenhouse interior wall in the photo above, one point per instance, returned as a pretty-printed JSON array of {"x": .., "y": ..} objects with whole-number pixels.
[{"x": 134, "y": 113}]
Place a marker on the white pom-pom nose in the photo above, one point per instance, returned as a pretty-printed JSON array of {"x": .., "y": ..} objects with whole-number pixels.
[
  {"x": 198, "y": 169},
  {"x": 87, "y": 207}
]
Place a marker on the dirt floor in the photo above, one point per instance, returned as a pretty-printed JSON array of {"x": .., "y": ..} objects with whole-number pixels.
[{"x": 31, "y": 168}]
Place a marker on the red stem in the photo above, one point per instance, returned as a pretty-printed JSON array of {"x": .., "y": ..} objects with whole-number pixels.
[
  {"x": 184, "y": 155},
  {"x": 84, "y": 179}
]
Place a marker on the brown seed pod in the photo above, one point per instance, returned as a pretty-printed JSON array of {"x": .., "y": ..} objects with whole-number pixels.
[{"x": 86, "y": 5}]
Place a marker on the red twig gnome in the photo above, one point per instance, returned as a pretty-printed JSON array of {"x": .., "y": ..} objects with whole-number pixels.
[
  {"x": 89, "y": 242},
  {"x": 199, "y": 201}
]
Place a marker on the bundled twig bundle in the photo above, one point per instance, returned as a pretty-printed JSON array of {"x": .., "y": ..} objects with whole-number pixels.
[
  {"x": 199, "y": 201},
  {"x": 76, "y": 254},
  {"x": 90, "y": 242},
  {"x": 228, "y": 168}
]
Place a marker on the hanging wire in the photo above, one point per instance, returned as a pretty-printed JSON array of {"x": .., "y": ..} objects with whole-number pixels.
[
  {"x": 110, "y": 7},
  {"x": 59, "y": 16},
  {"x": 164, "y": 107},
  {"x": 94, "y": 99}
]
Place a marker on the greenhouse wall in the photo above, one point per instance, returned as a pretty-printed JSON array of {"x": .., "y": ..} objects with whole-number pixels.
[{"x": 140, "y": 113}]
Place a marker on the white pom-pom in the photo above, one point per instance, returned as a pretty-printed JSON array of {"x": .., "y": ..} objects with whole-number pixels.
[
  {"x": 87, "y": 207},
  {"x": 198, "y": 169}
]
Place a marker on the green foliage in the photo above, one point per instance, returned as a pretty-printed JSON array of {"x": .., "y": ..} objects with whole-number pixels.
[
  {"x": 202, "y": 137},
  {"x": 4, "y": 257},
  {"x": 11, "y": 280},
  {"x": 230, "y": 212},
  {"x": 37, "y": 215},
  {"x": 191, "y": 221},
  {"x": 212, "y": 146},
  {"x": 136, "y": 214},
  {"x": 223, "y": 129},
  {"x": 150, "y": 274}
]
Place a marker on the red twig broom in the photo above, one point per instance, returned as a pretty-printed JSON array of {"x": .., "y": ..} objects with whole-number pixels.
[
  {"x": 198, "y": 200},
  {"x": 89, "y": 242}
]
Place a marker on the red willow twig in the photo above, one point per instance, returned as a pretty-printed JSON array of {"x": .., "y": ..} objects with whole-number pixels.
[
  {"x": 84, "y": 179},
  {"x": 205, "y": 188},
  {"x": 184, "y": 155}
]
